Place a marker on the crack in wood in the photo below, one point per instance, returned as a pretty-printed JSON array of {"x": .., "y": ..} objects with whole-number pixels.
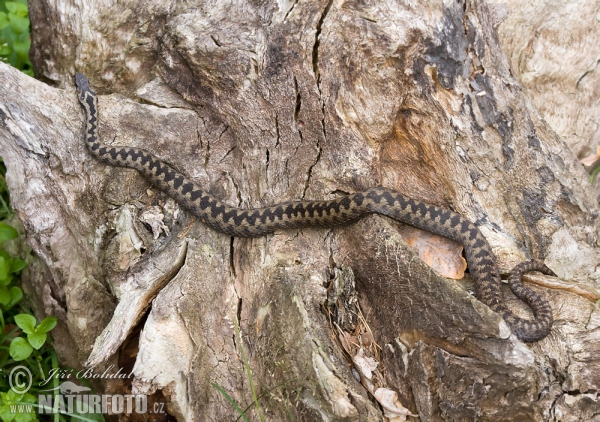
[
  {"x": 290, "y": 11},
  {"x": 231, "y": 260},
  {"x": 315, "y": 52}
]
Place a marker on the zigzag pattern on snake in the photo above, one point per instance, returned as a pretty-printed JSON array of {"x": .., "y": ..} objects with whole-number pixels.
[{"x": 289, "y": 215}]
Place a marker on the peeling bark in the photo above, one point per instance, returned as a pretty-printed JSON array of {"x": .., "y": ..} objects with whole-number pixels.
[{"x": 263, "y": 102}]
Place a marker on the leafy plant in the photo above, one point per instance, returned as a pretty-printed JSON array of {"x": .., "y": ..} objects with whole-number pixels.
[
  {"x": 21, "y": 348},
  {"x": 12, "y": 399},
  {"x": 14, "y": 35},
  {"x": 9, "y": 268},
  {"x": 31, "y": 350}
]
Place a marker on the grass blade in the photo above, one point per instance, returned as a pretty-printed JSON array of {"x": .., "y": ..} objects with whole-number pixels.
[
  {"x": 267, "y": 392},
  {"x": 248, "y": 370},
  {"x": 230, "y": 400}
]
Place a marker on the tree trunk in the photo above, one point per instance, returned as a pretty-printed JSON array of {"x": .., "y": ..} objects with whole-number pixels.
[
  {"x": 264, "y": 102},
  {"x": 554, "y": 49}
]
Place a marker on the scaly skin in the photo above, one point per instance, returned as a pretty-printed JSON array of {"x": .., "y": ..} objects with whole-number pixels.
[{"x": 260, "y": 221}]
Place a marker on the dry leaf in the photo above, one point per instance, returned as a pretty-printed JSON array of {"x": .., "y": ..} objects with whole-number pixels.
[
  {"x": 392, "y": 407},
  {"x": 588, "y": 161},
  {"x": 364, "y": 364},
  {"x": 440, "y": 253}
]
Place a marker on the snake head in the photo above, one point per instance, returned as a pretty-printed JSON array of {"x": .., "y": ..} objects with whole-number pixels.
[{"x": 83, "y": 86}]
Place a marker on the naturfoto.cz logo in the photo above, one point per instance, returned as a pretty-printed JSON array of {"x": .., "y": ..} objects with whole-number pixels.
[{"x": 71, "y": 399}]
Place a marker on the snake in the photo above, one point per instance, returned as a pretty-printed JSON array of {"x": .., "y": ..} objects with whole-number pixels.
[{"x": 331, "y": 213}]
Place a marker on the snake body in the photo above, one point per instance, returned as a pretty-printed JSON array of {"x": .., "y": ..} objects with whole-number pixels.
[{"x": 292, "y": 215}]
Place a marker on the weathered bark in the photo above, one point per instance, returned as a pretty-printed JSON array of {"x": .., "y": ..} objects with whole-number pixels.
[
  {"x": 554, "y": 50},
  {"x": 273, "y": 101}
]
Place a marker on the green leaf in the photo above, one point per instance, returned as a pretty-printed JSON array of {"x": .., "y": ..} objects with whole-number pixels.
[
  {"x": 4, "y": 269},
  {"x": 5, "y": 50},
  {"x": 26, "y": 417},
  {"x": 37, "y": 340},
  {"x": 6, "y": 414},
  {"x": 15, "y": 8},
  {"x": 16, "y": 294},
  {"x": 20, "y": 349},
  {"x": 7, "y": 281},
  {"x": 18, "y": 23},
  {"x": 17, "y": 265},
  {"x": 9, "y": 36},
  {"x": 46, "y": 325},
  {"x": 26, "y": 322},
  {"x": 31, "y": 415},
  {"x": 7, "y": 232},
  {"x": 3, "y": 20},
  {"x": 12, "y": 399},
  {"x": 4, "y": 296},
  {"x": 28, "y": 398},
  {"x": 21, "y": 47}
]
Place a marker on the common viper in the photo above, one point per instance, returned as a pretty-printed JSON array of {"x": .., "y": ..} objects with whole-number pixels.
[{"x": 290, "y": 215}]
